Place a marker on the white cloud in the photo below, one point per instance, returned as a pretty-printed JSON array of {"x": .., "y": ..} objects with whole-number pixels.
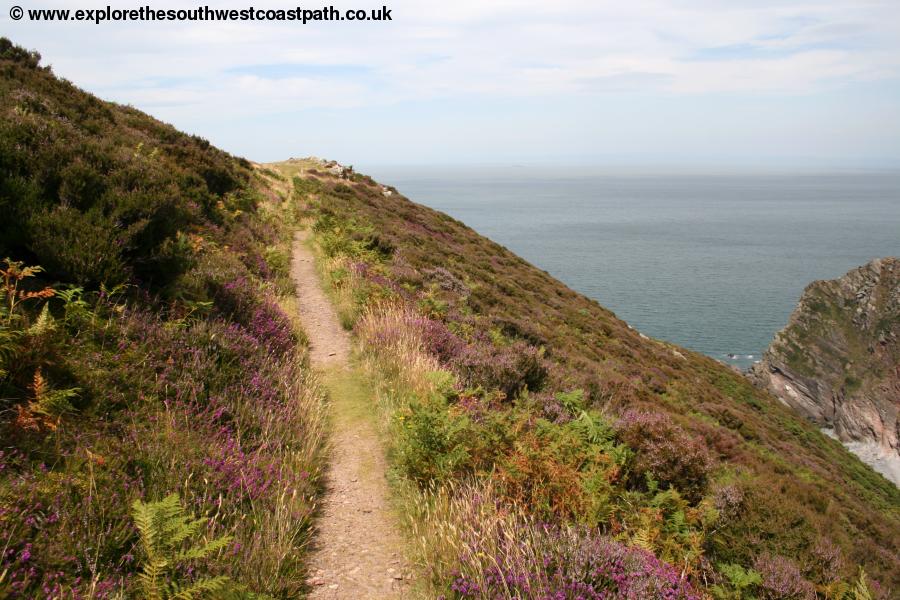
[
  {"x": 503, "y": 50},
  {"x": 493, "y": 47}
]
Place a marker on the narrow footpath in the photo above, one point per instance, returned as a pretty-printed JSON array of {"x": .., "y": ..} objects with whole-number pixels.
[{"x": 357, "y": 550}]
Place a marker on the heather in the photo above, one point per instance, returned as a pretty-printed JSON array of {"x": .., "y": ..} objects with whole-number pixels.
[
  {"x": 161, "y": 428},
  {"x": 161, "y": 431},
  {"x": 492, "y": 373},
  {"x": 486, "y": 550},
  {"x": 223, "y": 414}
]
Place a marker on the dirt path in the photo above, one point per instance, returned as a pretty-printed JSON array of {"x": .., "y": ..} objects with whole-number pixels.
[{"x": 357, "y": 552}]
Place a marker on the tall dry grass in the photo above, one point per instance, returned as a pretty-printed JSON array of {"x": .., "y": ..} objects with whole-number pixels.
[
  {"x": 257, "y": 480},
  {"x": 463, "y": 528},
  {"x": 273, "y": 533},
  {"x": 489, "y": 550},
  {"x": 393, "y": 342},
  {"x": 344, "y": 286}
]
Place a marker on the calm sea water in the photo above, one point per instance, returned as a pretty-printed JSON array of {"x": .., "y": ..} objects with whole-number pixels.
[{"x": 713, "y": 263}]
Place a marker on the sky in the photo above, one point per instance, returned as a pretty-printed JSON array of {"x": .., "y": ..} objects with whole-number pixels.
[{"x": 701, "y": 84}]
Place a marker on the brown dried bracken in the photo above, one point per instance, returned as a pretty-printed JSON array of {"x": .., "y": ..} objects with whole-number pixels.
[{"x": 13, "y": 275}]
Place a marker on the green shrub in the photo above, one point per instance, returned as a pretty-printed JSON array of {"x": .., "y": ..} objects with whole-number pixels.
[
  {"x": 98, "y": 193},
  {"x": 279, "y": 261},
  {"x": 78, "y": 247},
  {"x": 9, "y": 51},
  {"x": 305, "y": 186},
  {"x": 81, "y": 185},
  {"x": 433, "y": 443}
]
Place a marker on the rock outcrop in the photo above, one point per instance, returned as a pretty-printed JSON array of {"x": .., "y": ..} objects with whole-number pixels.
[{"x": 838, "y": 362}]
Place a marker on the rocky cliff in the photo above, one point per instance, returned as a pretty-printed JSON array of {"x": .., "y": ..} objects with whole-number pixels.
[{"x": 838, "y": 361}]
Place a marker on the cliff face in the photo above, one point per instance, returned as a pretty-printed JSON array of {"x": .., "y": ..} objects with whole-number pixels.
[{"x": 838, "y": 361}]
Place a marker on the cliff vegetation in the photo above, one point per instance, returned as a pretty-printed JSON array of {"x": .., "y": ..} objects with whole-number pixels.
[
  {"x": 552, "y": 450},
  {"x": 149, "y": 372}
]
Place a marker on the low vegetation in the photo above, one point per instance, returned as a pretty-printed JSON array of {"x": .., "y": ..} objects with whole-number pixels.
[
  {"x": 146, "y": 350},
  {"x": 553, "y": 452},
  {"x": 162, "y": 435}
]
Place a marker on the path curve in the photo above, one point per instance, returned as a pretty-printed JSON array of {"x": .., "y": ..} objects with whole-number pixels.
[{"x": 357, "y": 550}]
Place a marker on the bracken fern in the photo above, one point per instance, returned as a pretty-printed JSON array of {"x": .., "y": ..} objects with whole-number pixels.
[{"x": 167, "y": 534}]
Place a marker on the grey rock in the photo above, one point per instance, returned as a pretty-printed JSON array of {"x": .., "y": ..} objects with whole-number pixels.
[{"x": 837, "y": 362}]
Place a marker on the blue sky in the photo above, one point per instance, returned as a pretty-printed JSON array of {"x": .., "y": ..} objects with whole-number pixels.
[{"x": 699, "y": 84}]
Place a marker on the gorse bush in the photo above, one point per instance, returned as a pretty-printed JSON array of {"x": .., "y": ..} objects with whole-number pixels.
[
  {"x": 77, "y": 247},
  {"x": 17, "y": 54}
]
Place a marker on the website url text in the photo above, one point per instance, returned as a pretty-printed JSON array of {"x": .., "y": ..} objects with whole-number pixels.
[{"x": 202, "y": 13}]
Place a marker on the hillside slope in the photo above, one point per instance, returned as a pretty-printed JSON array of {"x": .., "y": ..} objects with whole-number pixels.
[
  {"x": 837, "y": 362},
  {"x": 151, "y": 355},
  {"x": 575, "y": 416},
  {"x": 553, "y": 447}
]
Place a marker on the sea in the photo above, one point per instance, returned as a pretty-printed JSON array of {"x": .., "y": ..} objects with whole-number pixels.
[{"x": 712, "y": 262}]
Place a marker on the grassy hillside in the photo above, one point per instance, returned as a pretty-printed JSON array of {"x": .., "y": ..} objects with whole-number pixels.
[
  {"x": 513, "y": 401},
  {"x": 547, "y": 450},
  {"x": 145, "y": 350}
]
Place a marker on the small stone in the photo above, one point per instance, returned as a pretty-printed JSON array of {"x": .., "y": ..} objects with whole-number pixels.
[{"x": 333, "y": 586}]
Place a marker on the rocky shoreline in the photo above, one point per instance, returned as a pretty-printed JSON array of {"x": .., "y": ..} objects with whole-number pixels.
[{"x": 837, "y": 362}]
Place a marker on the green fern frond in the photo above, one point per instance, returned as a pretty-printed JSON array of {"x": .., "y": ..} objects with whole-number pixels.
[
  {"x": 166, "y": 532},
  {"x": 43, "y": 324},
  {"x": 861, "y": 590},
  {"x": 142, "y": 514},
  {"x": 74, "y": 306},
  {"x": 183, "y": 528},
  {"x": 837, "y": 590},
  {"x": 201, "y": 589},
  {"x": 739, "y": 577},
  {"x": 204, "y": 551},
  {"x": 641, "y": 539},
  {"x": 55, "y": 403}
]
